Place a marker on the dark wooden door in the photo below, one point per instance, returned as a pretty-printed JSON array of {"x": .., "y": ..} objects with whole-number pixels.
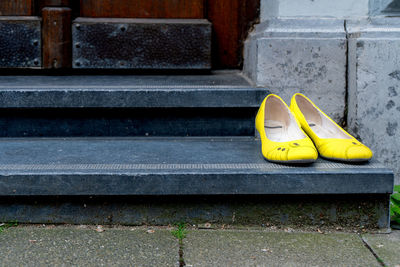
[
  {"x": 122, "y": 34},
  {"x": 172, "y": 9}
]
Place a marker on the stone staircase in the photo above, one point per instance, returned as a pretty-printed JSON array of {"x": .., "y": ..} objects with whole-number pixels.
[{"x": 159, "y": 149}]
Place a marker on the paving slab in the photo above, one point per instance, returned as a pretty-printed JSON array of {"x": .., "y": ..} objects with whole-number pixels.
[
  {"x": 261, "y": 248},
  {"x": 70, "y": 246},
  {"x": 385, "y": 246}
]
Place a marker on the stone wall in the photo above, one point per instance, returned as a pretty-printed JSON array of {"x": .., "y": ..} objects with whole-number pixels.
[
  {"x": 384, "y": 7},
  {"x": 374, "y": 87},
  {"x": 301, "y": 55},
  {"x": 349, "y": 64},
  {"x": 314, "y": 8}
]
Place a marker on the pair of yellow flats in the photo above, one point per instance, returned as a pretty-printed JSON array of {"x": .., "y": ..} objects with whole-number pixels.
[{"x": 297, "y": 134}]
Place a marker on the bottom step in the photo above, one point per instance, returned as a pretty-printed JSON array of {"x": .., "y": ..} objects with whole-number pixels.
[{"x": 163, "y": 180}]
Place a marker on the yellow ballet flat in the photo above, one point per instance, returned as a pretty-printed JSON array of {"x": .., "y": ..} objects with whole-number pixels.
[
  {"x": 282, "y": 139},
  {"x": 330, "y": 139}
]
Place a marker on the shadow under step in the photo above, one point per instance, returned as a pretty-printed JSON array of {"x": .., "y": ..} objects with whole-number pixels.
[{"x": 165, "y": 180}]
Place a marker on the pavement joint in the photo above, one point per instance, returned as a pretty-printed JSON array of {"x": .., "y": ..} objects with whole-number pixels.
[
  {"x": 380, "y": 261},
  {"x": 180, "y": 234}
]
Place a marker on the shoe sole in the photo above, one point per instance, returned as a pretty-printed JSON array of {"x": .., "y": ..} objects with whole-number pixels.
[
  {"x": 347, "y": 160},
  {"x": 302, "y": 161}
]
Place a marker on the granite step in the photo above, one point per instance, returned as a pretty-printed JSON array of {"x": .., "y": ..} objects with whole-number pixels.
[
  {"x": 220, "y": 103},
  {"x": 228, "y": 89},
  {"x": 53, "y": 179},
  {"x": 171, "y": 166}
]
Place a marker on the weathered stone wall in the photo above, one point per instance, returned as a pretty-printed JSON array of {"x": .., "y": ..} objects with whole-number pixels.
[
  {"x": 314, "y": 8},
  {"x": 384, "y": 7},
  {"x": 374, "y": 87},
  {"x": 307, "y": 56},
  {"x": 328, "y": 8}
]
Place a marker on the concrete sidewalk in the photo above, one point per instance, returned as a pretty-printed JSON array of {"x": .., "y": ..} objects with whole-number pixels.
[{"x": 156, "y": 246}]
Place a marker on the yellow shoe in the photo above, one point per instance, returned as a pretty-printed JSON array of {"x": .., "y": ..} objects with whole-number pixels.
[
  {"x": 330, "y": 139},
  {"x": 282, "y": 139}
]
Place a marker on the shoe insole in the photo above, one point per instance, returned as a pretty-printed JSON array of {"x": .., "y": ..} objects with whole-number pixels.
[
  {"x": 322, "y": 126},
  {"x": 327, "y": 129},
  {"x": 321, "y": 131},
  {"x": 280, "y": 124},
  {"x": 277, "y": 131}
]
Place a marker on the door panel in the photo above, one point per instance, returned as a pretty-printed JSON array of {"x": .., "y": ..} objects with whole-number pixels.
[
  {"x": 183, "y": 9},
  {"x": 17, "y": 7},
  {"x": 137, "y": 34},
  {"x": 20, "y": 44},
  {"x": 115, "y": 43}
]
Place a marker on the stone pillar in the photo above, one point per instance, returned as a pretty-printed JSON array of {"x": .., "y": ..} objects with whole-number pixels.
[
  {"x": 300, "y": 55},
  {"x": 374, "y": 87}
]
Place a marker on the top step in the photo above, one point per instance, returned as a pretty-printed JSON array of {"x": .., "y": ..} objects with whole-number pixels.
[{"x": 220, "y": 89}]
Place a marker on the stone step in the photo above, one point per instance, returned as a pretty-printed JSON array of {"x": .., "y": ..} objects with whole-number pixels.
[
  {"x": 171, "y": 166},
  {"x": 42, "y": 177},
  {"x": 220, "y": 103}
]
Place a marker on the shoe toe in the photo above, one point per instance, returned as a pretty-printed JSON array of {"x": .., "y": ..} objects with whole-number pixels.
[
  {"x": 346, "y": 150},
  {"x": 360, "y": 152},
  {"x": 302, "y": 153}
]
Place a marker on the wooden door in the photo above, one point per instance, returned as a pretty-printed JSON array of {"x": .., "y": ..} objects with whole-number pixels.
[{"x": 151, "y": 34}]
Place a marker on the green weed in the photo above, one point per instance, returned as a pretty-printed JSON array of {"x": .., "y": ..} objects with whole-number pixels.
[
  {"x": 4, "y": 226},
  {"x": 180, "y": 232},
  {"x": 395, "y": 207}
]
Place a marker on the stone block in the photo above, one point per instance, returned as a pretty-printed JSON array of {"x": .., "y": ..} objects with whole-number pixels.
[
  {"x": 320, "y": 8},
  {"x": 300, "y": 55},
  {"x": 374, "y": 87}
]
